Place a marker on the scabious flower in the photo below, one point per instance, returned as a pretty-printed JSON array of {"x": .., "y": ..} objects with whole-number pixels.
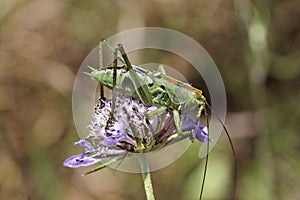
[{"x": 130, "y": 131}]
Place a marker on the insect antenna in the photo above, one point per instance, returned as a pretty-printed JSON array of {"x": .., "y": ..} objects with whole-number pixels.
[
  {"x": 232, "y": 149},
  {"x": 206, "y": 157}
]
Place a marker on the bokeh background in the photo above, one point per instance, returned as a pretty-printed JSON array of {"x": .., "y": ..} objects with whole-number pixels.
[{"x": 255, "y": 44}]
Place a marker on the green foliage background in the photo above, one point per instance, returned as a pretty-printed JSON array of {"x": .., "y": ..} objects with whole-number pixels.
[{"x": 255, "y": 44}]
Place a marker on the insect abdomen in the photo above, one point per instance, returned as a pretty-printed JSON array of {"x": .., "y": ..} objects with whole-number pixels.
[{"x": 104, "y": 77}]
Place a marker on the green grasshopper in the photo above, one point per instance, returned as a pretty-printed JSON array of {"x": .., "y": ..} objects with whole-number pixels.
[{"x": 151, "y": 88}]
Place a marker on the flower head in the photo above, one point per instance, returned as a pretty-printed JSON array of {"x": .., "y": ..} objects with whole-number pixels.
[{"x": 129, "y": 130}]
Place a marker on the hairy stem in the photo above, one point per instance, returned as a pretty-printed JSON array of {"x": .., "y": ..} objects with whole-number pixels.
[{"x": 146, "y": 177}]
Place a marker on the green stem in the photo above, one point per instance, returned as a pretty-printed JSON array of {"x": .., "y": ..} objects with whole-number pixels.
[{"x": 146, "y": 177}]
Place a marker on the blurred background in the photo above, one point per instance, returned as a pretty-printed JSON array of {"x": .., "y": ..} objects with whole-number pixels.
[{"x": 255, "y": 45}]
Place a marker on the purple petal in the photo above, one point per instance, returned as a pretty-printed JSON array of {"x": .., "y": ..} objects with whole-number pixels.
[
  {"x": 112, "y": 140},
  {"x": 128, "y": 140},
  {"x": 80, "y": 160},
  {"x": 201, "y": 134},
  {"x": 86, "y": 145}
]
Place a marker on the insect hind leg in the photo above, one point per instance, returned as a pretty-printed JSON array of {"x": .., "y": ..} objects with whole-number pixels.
[
  {"x": 113, "y": 100},
  {"x": 140, "y": 87},
  {"x": 101, "y": 87}
]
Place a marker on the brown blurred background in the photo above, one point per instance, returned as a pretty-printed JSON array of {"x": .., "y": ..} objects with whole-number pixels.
[{"x": 255, "y": 44}]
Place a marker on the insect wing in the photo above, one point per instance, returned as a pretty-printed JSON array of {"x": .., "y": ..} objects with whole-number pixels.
[{"x": 177, "y": 94}]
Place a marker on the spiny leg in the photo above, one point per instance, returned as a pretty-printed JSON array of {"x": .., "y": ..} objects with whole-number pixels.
[
  {"x": 113, "y": 100},
  {"x": 156, "y": 112},
  {"x": 177, "y": 121},
  {"x": 115, "y": 63},
  {"x": 201, "y": 108},
  {"x": 101, "y": 90},
  {"x": 124, "y": 56},
  {"x": 141, "y": 88}
]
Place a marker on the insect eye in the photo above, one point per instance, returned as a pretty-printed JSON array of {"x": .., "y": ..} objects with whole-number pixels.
[{"x": 162, "y": 87}]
